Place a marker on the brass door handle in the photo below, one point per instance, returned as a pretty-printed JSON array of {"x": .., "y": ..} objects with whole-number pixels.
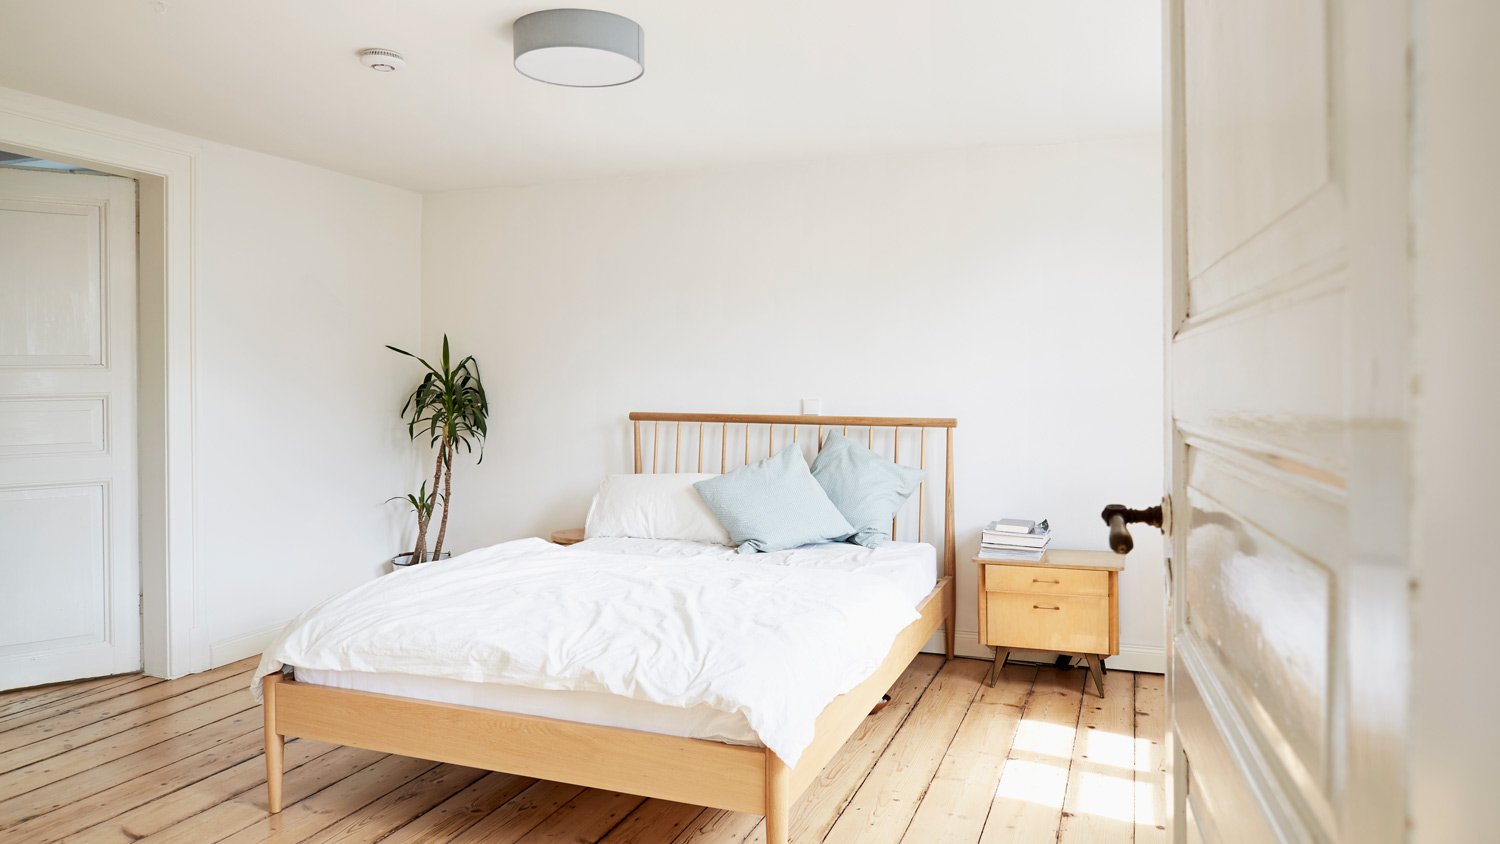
[{"x": 1040, "y": 607}]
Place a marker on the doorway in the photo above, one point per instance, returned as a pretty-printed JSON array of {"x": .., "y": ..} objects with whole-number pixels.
[
  {"x": 69, "y": 480},
  {"x": 164, "y": 169}
]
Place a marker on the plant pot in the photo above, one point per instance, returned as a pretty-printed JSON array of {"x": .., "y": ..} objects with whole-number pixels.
[{"x": 405, "y": 561}]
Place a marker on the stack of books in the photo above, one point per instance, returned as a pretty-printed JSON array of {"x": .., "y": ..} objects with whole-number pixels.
[{"x": 1015, "y": 540}]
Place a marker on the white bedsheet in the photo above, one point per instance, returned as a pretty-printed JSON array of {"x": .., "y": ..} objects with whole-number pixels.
[
  {"x": 910, "y": 567},
  {"x": 770, "y": 639},
  {"x": 907, "y": 566}
]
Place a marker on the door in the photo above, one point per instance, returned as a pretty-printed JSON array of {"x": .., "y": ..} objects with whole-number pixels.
[
  {"x": 69, "y": 558},
  {"x": 1287, "y": 182}
]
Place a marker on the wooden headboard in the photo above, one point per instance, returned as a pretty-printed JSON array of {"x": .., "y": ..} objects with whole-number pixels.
[{"x": 660, "y": 439}]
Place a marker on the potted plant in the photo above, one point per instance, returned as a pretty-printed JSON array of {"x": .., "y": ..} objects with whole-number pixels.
[{"x": 449, "y": 408}]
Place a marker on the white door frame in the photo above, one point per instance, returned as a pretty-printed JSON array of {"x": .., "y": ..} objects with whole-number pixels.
[{"x": 165, "y": 167}]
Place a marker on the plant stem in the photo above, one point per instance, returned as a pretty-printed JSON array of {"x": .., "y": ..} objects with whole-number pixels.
[
  {"x": 419, "y": 554},
  {"x": 437, "y": 549}
]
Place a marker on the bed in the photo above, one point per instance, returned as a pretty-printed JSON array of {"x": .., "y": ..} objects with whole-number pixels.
[{"x": 759, "y": 744}]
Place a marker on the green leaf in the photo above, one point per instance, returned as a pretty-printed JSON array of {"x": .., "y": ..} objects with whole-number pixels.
[{"x": 450, "y": 409}]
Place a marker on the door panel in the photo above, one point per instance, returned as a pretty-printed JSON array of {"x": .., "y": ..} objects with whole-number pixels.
[
  {"x": 52, "y": 425},
  {"x": 51, "y": 282},
  {"x": 1286, "y": 394},
  {"x": 1269, "y": 378},
  {"x": 61, "y": 529},
  {"x": 1256, "y": 116},
  {"x": 1261, "y": 616},
  {"x": 70, "y": 607},
  {"x": 1218, "y": 789}
]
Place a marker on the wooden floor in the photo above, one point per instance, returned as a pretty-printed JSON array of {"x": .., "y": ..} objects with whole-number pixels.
[{"x": 138, "y": 759}]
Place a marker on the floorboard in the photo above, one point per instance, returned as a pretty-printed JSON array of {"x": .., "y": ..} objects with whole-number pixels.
[
  {"x": 159, "y": 697},
  {"x": 951, "y": 759},
  {"x": 1150, "y": 760},
  {"x": 174, "y": 796},
  {"x": 20, "y": 714},
  {"x": 1027, "y": 804},
  {"x": 958, "y": 800},
  {"x": 654, "y": 822},
  {"x": 887, "y": 799},
  {"x": 1099, "y": 805},
  {"x": 23, "y": 700}
]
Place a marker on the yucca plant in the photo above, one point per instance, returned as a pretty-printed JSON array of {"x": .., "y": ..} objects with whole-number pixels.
[
  {"x": 421, "y": 502},
  {"x": 449, "y": 408}
]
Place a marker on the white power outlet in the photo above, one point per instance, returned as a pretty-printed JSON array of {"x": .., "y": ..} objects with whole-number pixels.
[{"x": 812, "y": 407}]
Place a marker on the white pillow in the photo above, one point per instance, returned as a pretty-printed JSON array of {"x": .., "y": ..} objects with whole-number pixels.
[{"x": 652, "y": 506}]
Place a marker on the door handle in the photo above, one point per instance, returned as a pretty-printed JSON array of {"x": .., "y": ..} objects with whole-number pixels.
[{"x": 1119, "y": 517}]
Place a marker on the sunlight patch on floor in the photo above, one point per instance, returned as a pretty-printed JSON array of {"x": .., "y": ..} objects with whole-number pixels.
[
  {"x": 1041, "y": 737},
  {"x": 1145, "y": 751},
  {"x": 1106, "y": 748},
  {"x": 1150, "y": 784},
  {"x": 1104, "y": 776},
  {"x": 1033, "y": 782},
  {"x": 1145, "y": 803},
  {"x": 1105, "y": 795}
]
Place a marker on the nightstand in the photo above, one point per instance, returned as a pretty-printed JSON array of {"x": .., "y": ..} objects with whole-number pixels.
[
  {"x": 1068, "y": 602},
  {"x": 567, "y": 537}
]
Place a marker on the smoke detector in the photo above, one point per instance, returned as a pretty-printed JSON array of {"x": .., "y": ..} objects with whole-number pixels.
[{"x": 382, "y": 60}]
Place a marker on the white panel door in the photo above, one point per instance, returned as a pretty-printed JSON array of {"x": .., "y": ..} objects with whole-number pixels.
[
  {"x": 1287, "y": 357},
  {"x": 69, "y": 546}
]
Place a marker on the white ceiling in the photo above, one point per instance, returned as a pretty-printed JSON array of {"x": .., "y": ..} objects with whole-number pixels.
[{"x": 725, "y": 82}]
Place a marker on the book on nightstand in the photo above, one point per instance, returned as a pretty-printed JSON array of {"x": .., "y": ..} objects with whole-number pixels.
[
  {"x": 998, "y": 542},
  {"x": 1017, "y": 540},
  {"x": 1008, "y": 555},
  {"x": 1012, "y": 526}
]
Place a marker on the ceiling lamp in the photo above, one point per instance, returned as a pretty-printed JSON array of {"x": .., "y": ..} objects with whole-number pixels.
[{"x": 580, "y": 48}]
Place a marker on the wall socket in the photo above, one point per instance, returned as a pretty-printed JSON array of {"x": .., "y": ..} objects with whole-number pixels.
[{"x": 812, "y": 407}]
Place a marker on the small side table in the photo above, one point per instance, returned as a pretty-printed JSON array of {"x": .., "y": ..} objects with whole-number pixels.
[
  {"x": 1068, "y": 603},
  {"x": 567, "y": 537}
]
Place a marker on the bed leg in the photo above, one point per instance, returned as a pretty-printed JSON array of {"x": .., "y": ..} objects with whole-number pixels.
[
  {"x": 778, "y": 800},
  {"x": 949, "y": 599},
  {"x": 275, "y": 744}
]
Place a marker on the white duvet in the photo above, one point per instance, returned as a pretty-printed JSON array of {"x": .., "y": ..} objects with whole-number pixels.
[{"x": 775, "y": 643}]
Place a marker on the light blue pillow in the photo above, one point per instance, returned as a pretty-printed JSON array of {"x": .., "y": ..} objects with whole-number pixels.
[
  {"x": 773, "y": 505},
  {"x": 867, "y": 488}
]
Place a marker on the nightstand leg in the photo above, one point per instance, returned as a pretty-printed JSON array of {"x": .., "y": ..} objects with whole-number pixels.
[
  {"x": 1096, "y": 670},
  {"x": 1001, "y": 655}
]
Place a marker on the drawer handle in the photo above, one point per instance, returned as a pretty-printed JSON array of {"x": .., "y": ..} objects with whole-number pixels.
[
  {"x": 1043, "y": 607},
  {"x": 1039, "y": 580}
]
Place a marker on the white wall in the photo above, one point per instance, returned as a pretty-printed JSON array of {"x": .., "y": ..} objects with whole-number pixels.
[
  {"x": 300, "y": 277},
  {"x": 910, "y": 284},
  {"x": 303, "y": 276}
]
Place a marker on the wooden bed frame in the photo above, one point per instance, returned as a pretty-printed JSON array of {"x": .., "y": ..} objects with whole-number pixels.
[{"x": 685, "y": 770}]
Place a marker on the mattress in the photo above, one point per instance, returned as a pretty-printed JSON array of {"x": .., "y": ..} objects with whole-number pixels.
[{"x": 908, "y": 566}]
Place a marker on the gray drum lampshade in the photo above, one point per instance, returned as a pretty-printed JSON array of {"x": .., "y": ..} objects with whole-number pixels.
[{"x": 580, "y": 48}]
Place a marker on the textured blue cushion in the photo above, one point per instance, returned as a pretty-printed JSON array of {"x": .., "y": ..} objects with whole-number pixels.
[
  {"x": 773, "y": 505},
  {"x": 867, "y": 488}
]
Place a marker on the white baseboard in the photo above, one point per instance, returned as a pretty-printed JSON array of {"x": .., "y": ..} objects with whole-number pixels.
[
  {"x": 237, "y": 648},
  {"x": 1149, "y": 659}
]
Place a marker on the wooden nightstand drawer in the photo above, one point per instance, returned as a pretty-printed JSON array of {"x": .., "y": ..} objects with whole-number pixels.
[
  {"x": 1049, "y": 622},
  {"x": 1046, "y": 580}
]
